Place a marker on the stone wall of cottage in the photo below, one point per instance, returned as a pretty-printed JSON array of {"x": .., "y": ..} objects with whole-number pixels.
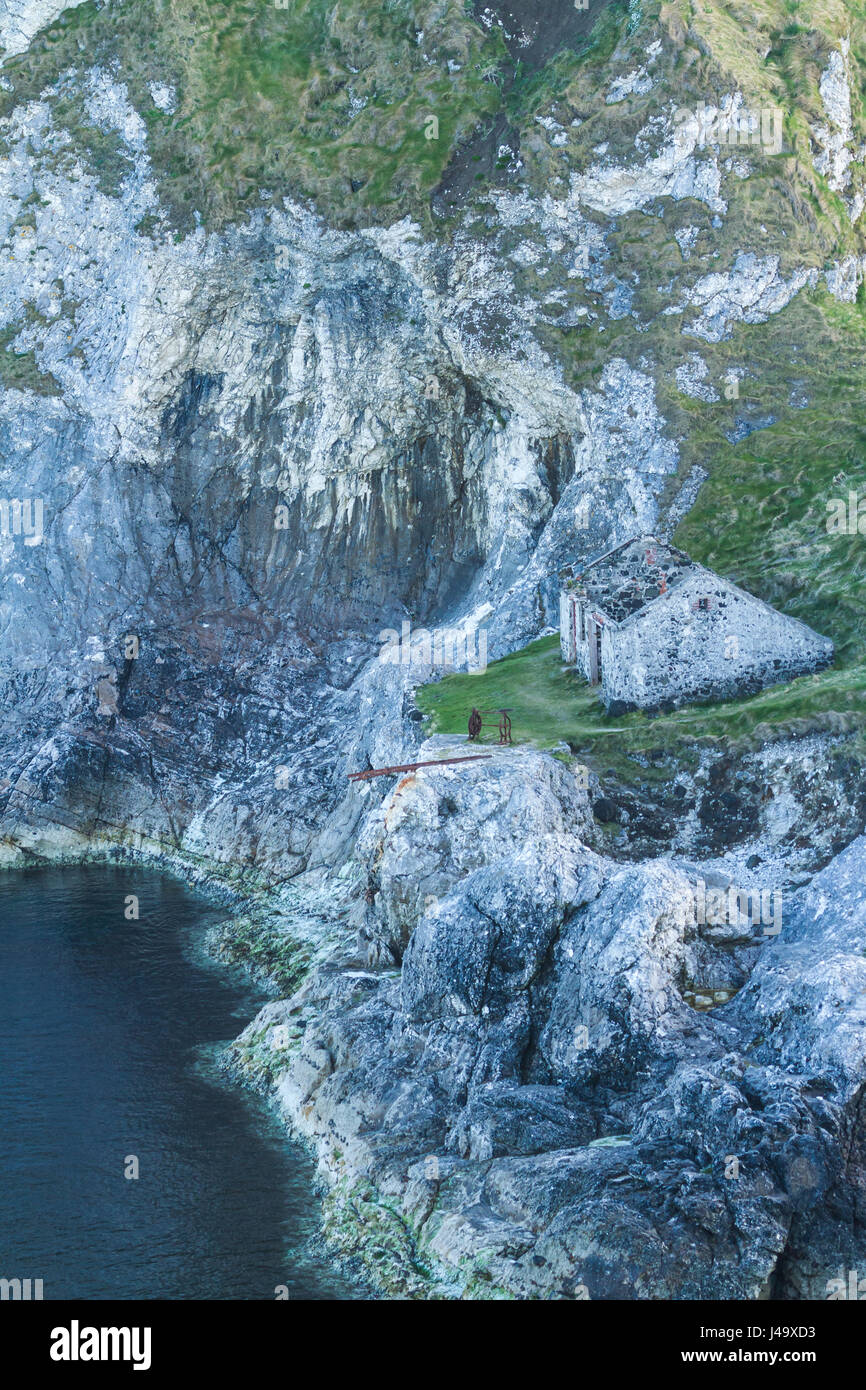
[
  {"x": 573, "y": 646},
  {"x": 706, "y": 640}
]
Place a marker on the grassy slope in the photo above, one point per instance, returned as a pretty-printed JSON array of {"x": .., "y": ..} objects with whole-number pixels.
[
  {"x": 327, "y": 99},
  {"x": 549, "y": 704},
  {"x": 762, "y": 516}
]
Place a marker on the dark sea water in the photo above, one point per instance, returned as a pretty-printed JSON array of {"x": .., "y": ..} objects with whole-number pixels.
[{"x": 106, "y": 1030}]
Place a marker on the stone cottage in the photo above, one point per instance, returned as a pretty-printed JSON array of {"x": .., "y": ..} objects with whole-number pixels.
[{"x": 653, "y": 628}]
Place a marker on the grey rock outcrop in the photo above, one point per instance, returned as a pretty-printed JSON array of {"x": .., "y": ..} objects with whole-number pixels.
[{"x": 539, "y": 1099}]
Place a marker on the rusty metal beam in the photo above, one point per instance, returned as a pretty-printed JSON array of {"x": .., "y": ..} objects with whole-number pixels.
[{"x": 410, "y": 767}]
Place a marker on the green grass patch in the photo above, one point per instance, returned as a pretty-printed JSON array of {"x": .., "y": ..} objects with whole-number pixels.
[
  {"x": 320, "y": 100},
  {"x": 20, "y": 370},
  {"x": 532, "y": 91},
  {"x": 761, "y": 517},
  {"x": 551, "y": 703}
]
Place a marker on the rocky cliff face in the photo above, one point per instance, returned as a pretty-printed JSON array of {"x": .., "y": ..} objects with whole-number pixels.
[
  {"x": 262, "y": 432},
  {"x": 583, "y": 1081}
]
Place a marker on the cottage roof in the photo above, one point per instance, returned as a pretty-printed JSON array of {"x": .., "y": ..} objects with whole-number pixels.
[{"x": 630, "y": 577}]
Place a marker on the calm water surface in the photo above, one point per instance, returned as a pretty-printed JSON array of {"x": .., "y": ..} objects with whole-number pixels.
[{"x": 105, "y": 1031}]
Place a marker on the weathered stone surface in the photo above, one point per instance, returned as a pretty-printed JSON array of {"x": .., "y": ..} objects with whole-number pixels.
[
  {"x": 21, "y": 19},
  {"x": 806, "y": 1000},
  {"x": 611, "y": 1141},
  {"x": 437, "y": 826},
  {"x": 656, "y": 629}
]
